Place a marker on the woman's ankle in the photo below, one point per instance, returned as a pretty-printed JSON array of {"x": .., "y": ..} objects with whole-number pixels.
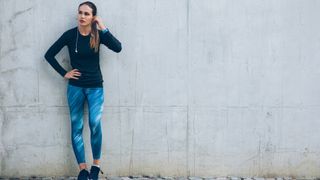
[
  {"x": 82, "y": 166},
  {"x": 96, "y": 162}
]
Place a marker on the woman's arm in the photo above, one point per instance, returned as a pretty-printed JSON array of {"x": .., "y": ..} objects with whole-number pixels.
[
  {"x": 53, "y": 51},
  {"x": 110, "y": 41},
  {"x": 107, "y": 38}
]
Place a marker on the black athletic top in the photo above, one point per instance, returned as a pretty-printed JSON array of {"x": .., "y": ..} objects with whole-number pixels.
[{"x": 85, "y": 59}]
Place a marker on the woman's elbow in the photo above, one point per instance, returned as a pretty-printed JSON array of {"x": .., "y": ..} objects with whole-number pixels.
[
  {"x": 119, "y": 48},
  {"x": 46, "y": 56}
]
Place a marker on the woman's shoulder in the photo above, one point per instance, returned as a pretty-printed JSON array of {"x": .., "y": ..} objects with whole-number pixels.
[
  {"x": 70, "y": 32},
  {"x": 68, "y": 35}
]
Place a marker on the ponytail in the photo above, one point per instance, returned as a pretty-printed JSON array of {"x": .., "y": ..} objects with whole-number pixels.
[{"x": 94, "y": 39}]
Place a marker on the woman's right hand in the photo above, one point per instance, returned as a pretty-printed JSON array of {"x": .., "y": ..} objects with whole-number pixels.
[{"x": 73, "y": 74}]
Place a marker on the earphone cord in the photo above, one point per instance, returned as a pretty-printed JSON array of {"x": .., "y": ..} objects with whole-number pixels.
[{"x": 76, "y": 50}]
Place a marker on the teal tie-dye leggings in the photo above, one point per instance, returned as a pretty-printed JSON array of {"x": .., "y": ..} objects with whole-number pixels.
[{"x": 76, "y": 99}]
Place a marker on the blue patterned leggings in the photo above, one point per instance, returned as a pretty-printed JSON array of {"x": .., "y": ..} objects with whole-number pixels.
[{"x": 76, "y": 98}]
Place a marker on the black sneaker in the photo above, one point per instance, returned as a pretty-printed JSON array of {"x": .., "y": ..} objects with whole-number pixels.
[
  {"x": 83, "y": 175},
  {"x": 94, "y": 173}
]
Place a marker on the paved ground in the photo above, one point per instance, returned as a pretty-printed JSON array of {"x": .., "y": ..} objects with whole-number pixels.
[{"x": 160, "y": 178}]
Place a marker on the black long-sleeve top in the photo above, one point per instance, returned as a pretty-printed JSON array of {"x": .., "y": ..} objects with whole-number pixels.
[{"x": 85, "y": 59}]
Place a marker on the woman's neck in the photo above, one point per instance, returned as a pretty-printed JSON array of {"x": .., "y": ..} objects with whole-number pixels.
[{"x": 84, "y": 30}]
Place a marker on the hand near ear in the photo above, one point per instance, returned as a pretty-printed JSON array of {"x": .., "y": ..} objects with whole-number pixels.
[{"x": 99, "y": 22}]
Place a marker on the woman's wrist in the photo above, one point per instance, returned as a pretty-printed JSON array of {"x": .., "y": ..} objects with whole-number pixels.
[
  {"x": 105, "y": 30},
  {"x": 102, "y": 27}
]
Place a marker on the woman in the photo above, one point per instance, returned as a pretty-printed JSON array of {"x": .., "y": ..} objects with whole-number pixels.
[{"x": 85, "y": 80}]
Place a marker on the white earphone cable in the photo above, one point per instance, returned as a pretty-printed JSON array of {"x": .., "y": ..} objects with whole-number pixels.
[{"x": 76, "y": 50}]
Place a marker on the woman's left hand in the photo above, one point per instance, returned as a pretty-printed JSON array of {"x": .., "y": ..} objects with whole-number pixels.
[{"x": 99, "y": 22}]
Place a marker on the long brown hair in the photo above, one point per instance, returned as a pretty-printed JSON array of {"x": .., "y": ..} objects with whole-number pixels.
[{"x": 94, "y": 39}]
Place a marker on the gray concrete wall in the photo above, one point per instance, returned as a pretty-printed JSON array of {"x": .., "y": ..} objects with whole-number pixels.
[{"x": 201, "y": 88}]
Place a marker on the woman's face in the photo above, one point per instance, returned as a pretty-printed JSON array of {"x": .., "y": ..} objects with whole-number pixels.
[{"x": 85, "y": 16}]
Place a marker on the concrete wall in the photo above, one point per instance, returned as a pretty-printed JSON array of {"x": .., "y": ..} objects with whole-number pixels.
[{"x": 201, "y": 88}]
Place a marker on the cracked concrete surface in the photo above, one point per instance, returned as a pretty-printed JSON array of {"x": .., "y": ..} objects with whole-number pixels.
[{"x": 202, "y": 88}]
